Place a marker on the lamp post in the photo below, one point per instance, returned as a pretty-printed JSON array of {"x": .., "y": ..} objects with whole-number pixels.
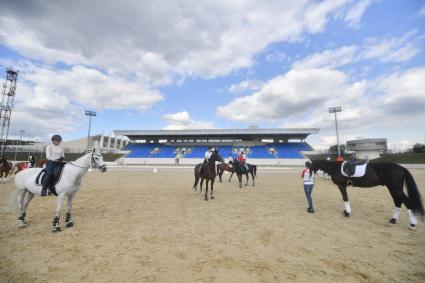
[
  {"x": 20, "y": 138},
  {"x": 335, "y": 110},
  {"x": 90, "y": 114}
]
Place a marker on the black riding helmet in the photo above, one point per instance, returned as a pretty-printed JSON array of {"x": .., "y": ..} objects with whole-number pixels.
[{"x": 56, "y": 138}]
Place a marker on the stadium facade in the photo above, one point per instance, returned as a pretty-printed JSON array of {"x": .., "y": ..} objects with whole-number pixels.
[
  {"x": 276, "y": 146},
  {"x": 372, "y": 148}
]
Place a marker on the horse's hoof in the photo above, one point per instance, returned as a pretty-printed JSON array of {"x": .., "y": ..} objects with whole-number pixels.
[
  {"x": 22, "y": 224},
  {"x": 56, "y": 229},
  {"x": 212, "y": 197},
  {"x": 69, "y": 224},
  {"x": 206, "y": 199},
  {"x": 346, "y": 214},
  {"x": 412, "y": 227},
  {"x": 392, "y": 221}
]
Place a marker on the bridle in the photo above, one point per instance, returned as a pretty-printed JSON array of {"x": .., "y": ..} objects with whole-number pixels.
[{"x": 93, "y": 163}]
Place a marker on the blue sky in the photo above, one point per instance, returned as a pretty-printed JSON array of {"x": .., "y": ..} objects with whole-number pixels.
[{"x": 215, "y": 64}]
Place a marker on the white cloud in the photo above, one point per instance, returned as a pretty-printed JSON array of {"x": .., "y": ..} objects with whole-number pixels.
[
  {"x": 157, "y": 42},
  {"x": 50, "y": 101},
  {"x": 183, "y": 121},
  {"x": 87, "y": 87},
  {"x": 396, "y": 49},
  {"x": 317, "y": 13},
  {"x": 179, "y": 117},
  {"x": 246, "y": 85},
  {"x": 301, "y": 98},
  {"x": 355, "y": 14},
  {"x": 286, "y": 95},
  {"x": 328, "y": 58}
]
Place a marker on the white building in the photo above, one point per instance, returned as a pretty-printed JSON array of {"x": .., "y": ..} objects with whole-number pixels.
[{"x": 368, "y": 147}]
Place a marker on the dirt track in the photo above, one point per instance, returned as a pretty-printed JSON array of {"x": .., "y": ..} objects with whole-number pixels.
[{"x": 140, "y": 226}]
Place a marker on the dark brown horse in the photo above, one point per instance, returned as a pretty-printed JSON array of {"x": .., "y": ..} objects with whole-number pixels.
[
  {"x": 224, "y": 167},
  {"x": 5, "y": 167},
  {"x": 391, "y": 175},
  {"x": 208, "y": 174},
  {"x": 229, "y": 168},
  {"x": 240, "y": 170}
]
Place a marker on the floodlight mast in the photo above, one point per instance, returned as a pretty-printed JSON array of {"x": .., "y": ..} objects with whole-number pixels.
[
  {"x": 90, "y": 114},
  {"x": 335, "y": 110}
]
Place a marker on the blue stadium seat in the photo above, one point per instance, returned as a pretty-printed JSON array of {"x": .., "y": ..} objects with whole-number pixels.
[{"x": 290, "y": 150}]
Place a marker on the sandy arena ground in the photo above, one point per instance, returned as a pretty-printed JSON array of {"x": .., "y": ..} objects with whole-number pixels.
[{"x": 146, "y": 227}]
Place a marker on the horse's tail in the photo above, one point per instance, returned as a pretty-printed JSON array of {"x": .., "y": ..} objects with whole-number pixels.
[
  {"x": 414, "y": 195},
  {"x": 196, "y": 173},
  {"x": 255, "y": 171},
  {"x": 218, "y": 168}
]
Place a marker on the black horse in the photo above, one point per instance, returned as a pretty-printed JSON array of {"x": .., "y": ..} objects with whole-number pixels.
[
  {"x": 229, "y": 168},
  {"x": 240, "y": 170},
  {"x": 391, "y": 175},
  {"x": 208, "y": 173}
]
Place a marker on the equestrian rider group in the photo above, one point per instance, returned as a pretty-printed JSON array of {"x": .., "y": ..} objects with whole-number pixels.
[{"x": 241, "y": 159}]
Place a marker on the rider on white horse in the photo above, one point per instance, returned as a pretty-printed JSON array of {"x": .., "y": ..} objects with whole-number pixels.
[
  {"x": 55, "y": 155},
  {"x": 73, "y": 172}
]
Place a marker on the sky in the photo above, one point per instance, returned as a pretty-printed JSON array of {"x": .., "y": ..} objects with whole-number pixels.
[{"x": 190, "y": 64}]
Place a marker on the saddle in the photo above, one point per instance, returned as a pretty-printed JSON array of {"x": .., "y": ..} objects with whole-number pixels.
[
  {"x": 353, "y": 168},
  {"x": 57, "y": 175}
]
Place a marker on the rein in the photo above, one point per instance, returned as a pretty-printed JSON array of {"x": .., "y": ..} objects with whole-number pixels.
[{"x": 93, "y": 164}]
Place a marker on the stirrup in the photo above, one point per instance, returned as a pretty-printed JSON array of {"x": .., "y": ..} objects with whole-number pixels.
[{"x": 349, "y": 183}]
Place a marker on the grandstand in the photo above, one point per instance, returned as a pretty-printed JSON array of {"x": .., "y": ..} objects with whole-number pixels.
[{"x": 261, "y": 146}]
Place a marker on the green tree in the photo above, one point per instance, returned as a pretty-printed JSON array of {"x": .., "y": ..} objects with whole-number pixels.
[
  {"x": 418, "y": 148},
  {"x": 334, "y": 149}
]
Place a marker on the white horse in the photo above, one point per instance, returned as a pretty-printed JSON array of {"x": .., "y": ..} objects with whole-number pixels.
[{"x": 69, "y": 184}]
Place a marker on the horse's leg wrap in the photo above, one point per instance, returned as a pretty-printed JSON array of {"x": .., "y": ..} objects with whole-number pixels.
[
  {"x": 21, "y": 220},
  {"x": 412, "y": 219},
  {"x": 347, "y": 207},
  {"x": 396, "y": 215},
  {"x": 68, "y": 220},
  {"x": 55, "y": 225}
]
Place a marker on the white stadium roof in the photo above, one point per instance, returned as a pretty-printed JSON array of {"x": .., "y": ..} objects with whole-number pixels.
[{"x": 249, "y": 133}]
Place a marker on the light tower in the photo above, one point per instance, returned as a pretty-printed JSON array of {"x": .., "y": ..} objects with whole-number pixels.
[
  {"x": 6, "y": 106},
  {"x": 335, "y": 110},
  {"x": 90, "y": 114}
]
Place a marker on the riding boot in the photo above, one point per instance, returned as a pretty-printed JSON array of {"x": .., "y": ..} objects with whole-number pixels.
[{"x": 45, "y": 189}]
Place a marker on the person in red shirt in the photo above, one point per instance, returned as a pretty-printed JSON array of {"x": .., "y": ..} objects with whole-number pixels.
[
  {"x": 308, "y": 180},
  {"x": 242, "y": 161}
]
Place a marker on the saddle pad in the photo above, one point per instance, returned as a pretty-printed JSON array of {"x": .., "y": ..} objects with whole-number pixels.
[{"x": 360, "y": 170}]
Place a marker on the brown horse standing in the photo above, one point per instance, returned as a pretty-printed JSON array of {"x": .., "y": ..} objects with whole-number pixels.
[
  {"x": 40, "y": 163},
  {"x": 224, "y": 167},
  {"x": 208, "y": 174},
  {"x": 5, "y": 167}
]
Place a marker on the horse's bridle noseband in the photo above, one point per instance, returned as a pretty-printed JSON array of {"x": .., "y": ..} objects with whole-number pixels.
[{"x": 94, "y": 164}]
